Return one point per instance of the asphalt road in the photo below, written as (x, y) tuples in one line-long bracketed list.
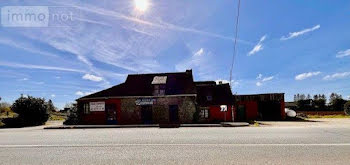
[(246, 145)]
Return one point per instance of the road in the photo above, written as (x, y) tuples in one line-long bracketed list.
[(300, 144)]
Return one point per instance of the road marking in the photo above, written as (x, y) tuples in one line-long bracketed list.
[(176, 144)]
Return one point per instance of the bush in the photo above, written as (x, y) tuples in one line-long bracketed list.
[(31, 111), (73, 117), (347, 108), (13, 122)]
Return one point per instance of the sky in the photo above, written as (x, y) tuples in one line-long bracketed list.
[(282, 47)]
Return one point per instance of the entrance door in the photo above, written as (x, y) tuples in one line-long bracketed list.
[(146, 114), (111, 113), (173, 113), (241, 116)]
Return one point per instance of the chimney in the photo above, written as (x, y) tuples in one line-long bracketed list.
[(189, 71)]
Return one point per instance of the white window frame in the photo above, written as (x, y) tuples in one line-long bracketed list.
[(204, 113)]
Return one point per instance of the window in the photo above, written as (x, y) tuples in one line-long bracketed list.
[(204, 113), (159, 90), (86, 107)]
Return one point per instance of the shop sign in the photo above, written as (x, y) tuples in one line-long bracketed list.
[(223, 108), (97, 106), (145, 101)]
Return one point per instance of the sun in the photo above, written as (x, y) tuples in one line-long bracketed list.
[(141, 5)]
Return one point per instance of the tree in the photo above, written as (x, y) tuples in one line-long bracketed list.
[(347, 108), (50, 106), (336, 102), (30, 110), (73, 117)]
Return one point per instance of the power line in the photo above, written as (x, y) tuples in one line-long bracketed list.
[(235, 42)]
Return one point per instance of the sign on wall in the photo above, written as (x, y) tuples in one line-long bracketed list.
[(145, 101), (97, 106), (223, 108)]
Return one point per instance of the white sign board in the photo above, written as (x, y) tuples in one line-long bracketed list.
[(145, 101), (223, 108), (97, 106)]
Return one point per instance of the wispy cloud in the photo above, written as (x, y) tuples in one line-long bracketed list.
[(337, 76), (199, 52), (267, 78), (42, 67), (258, 47), (262, 79), (303, 76), (201, 62), (25, 46), (80, 93), (258, 84), (259, 76), (344, 53), (298, 33), (160, 24), (53, 95), (92, 77)]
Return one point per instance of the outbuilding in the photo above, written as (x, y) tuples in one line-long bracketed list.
[(269, 106)]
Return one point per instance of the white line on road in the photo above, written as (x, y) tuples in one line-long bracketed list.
[(193, 144)]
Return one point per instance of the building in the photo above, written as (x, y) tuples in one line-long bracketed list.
[(143, 99), (215, 102), (260, 107), (175, 98)]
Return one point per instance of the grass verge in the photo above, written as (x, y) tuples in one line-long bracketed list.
[(327, 116)]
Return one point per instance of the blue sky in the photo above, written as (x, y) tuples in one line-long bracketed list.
[(283, 46)]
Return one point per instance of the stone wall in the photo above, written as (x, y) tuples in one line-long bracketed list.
[(131, 113)]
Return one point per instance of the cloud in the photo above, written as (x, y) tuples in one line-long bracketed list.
[(259, 76), (296, 34), (262, 79), (258, 47), (23, 79), (267, 78), (337, 76), (258, 84), (202, 62), (42, 67), (53, 95), (199, 52), (303, 76), (161, 25), (344, 53), (92, 78), (81, 93)]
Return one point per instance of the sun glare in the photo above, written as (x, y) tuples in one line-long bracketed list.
[(141, 5)]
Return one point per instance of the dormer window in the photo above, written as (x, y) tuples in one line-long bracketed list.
[(159, 85), (159, 90)]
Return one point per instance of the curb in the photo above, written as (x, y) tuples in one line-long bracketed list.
[(224, 124)]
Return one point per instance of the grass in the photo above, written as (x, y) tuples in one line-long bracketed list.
[(57, 116), (10, 115), (327, 116)]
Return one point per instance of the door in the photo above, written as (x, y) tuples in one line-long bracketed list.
[(111, 113), (173, 113), (241, 113), (146, 114)]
